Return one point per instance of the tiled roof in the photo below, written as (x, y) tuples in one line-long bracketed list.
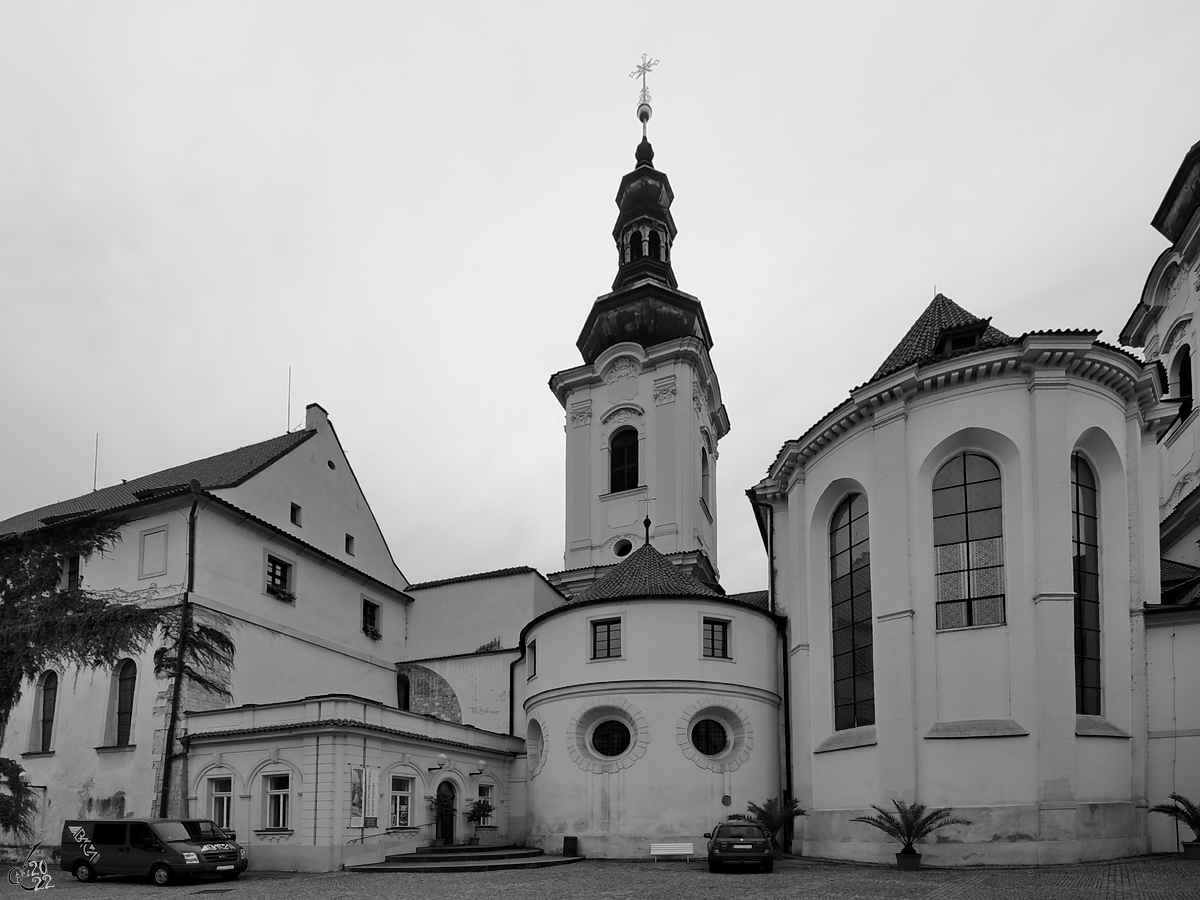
[(341, 723), (760, 599), (1180, 583), (645, 573), (496, 573), (920, 342), (220, 471)]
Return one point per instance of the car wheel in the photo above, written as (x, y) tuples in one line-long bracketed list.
[(161, 875), (714, 866), (84, 872), (230, 876), (768, 865)]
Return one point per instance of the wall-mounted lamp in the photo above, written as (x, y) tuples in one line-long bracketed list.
[(442, 760), (24, 778), (482, 767)]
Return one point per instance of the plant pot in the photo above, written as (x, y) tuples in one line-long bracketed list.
[(908, 862), (1191, 849), (473, 841)]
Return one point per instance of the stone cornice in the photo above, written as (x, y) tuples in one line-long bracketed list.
[(1051, 358)]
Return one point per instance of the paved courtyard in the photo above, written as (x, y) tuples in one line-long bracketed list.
[(1161, 878)]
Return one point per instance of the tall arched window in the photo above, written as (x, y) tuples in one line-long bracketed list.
[(655, 245), (623, 461), (705, 478), (1085, 538), (850, 593), (402, 692), (49, 699), (126, 682), (968, 542), (1183, 374), (635, 245)]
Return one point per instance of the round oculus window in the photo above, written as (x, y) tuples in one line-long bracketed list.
[(709, 737), (611, 738), (622, 547)]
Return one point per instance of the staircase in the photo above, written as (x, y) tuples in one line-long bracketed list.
[(466, 859)]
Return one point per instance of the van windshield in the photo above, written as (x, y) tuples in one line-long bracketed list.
[(204, 830), (172, 831)]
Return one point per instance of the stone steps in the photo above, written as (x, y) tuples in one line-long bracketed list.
[(466, 859)]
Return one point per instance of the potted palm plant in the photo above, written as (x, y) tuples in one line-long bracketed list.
[(909, 824), (772, 816), (1187, 813), (479, 812)]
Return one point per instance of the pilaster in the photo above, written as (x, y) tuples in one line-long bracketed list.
[(892, 605)]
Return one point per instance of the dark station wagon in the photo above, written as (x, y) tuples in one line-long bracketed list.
[(739, 842), (160, 849)]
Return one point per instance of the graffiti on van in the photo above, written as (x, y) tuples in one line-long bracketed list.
[(88, 848)]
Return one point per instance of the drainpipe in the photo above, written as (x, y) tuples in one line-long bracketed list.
[(185, 616), (786, 659)]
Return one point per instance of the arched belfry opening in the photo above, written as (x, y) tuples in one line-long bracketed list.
[(655, 246)]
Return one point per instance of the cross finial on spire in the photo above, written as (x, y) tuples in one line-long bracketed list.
[(643, 110)]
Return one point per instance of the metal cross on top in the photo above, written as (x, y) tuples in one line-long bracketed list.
[(642, 70)]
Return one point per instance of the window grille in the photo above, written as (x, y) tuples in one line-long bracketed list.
[(709, 737), (968, 543), (401, 802), (850, 595), (611, 738), (221, 791), (278, 793), (606, 638), (126, 682), (623, 461), (716, 638), (1086, 569), (49, 701)]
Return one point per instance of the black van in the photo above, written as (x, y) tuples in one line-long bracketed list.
[(162, 849)]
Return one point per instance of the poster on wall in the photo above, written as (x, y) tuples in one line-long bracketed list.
[(364, 797)]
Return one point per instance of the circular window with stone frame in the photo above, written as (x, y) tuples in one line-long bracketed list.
[(607, 735), (715, 734)]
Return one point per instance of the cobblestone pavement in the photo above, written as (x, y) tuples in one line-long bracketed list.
[(1160, 878)]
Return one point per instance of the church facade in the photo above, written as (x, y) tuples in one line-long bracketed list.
[(981, 593)]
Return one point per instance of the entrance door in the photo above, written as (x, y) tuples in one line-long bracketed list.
[(445, 822)]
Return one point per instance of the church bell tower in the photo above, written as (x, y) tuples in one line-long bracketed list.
[(643, 413)]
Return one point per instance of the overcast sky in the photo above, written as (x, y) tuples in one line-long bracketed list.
[(410, 204)]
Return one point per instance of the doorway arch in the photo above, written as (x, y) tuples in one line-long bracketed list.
[(445, 820)]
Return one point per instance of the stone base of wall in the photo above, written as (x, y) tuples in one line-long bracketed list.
[(998, 835)]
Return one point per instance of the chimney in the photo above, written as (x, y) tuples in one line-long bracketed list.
[(315, 417)]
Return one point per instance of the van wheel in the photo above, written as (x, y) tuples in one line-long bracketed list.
[(768, 866), (230, 876), (161, 875), (84, 872)]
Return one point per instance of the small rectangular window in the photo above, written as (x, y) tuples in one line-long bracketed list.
[(606, 638), (296, 514), (349, 545), (279, 578), (152, 553), (221, 801), (531, 655), (73, 565), (716, 638), (401, 802), (278, 794), (370, 618)]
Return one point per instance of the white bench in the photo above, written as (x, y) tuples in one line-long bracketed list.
[(657, 850)]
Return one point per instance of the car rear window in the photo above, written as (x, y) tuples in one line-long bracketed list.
[(739, 831), (172, 831)]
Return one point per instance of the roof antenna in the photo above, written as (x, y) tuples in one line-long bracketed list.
[(646, 525), (96, 464), (289, 410)]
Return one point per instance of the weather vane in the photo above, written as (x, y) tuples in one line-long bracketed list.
[(643, 110)]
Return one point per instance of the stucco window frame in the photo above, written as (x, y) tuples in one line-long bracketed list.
[(531, 660), (590, 631), (35, 729), (163, 529), (364, 601), (739, 734), (111, 726), (263, 777), (211, 795), (416, 792), (600, 710), (730, 632)]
